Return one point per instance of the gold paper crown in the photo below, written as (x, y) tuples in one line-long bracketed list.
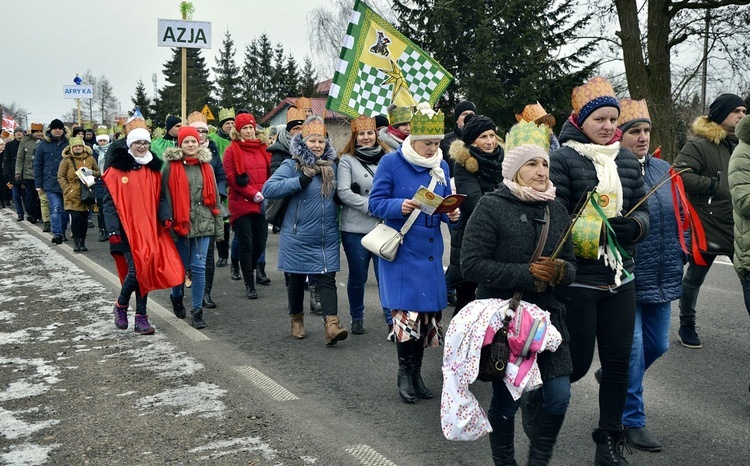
[(102, 130), (295, 114), (527, 132), (313, 126), (303, 103), (196, 116), (135, 123), (632, 110), (226, 114), (426, 123), (596, 87), (531, 112), (400, 115), (363, 123)]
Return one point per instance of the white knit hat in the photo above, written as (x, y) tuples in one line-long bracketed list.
[(138, 134)]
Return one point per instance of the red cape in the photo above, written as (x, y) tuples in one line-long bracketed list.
[(136, 197)]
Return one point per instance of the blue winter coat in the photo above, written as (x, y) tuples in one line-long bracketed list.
[(415, 280), (47, 159), (309, 236), (659, 258)]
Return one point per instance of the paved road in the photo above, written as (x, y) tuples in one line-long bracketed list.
[(74, 390)]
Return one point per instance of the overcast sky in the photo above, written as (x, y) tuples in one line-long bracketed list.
[(46, 42)]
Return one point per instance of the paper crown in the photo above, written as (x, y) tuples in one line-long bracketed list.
[(102, 130), (400, 115), (631, 110), (537, 114), (363, 123), (426, 123), (88, 126), (303, 103), (313, 126), (527, 132), (135, 123), (226, 114), (196, 116), (597, 87), (295, 114)]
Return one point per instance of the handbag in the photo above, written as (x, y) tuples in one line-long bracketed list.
[(276, 209), (383, 241), (493, 358), (87, 195)]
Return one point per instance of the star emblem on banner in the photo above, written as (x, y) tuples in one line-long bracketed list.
[(396, 78)]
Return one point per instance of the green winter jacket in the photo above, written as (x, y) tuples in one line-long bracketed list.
[(25, 157), (202, 220), (707, 156), (739, 187)]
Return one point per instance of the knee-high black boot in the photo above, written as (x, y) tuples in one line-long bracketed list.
[(416, 373), (543, 437), (531, 403), (502, 440), (405, 381)]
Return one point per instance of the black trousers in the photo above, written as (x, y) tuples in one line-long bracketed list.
[(252, 233), (210, 266), (326, 285), (608, 319), (79, 223), (129, 285), (33, 208), (223, 246)]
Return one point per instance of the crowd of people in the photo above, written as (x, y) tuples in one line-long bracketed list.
[(583, 223)]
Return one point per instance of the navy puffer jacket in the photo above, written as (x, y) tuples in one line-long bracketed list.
[(574, 175), (659, 258)]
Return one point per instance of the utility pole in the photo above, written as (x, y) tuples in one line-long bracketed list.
[(704, 76)]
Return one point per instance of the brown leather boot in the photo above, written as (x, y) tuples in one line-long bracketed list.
[(298, 325), (334, 332)]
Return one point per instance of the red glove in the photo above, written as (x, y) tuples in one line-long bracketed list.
[(167, 224), (115, 239)]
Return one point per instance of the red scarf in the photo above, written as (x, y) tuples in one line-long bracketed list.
[(399, 134), (179, 189)]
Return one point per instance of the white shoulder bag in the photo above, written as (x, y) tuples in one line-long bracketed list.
[(383, 241)]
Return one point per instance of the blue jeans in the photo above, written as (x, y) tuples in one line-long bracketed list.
[(58, 217), (555, 393), (650, 341), (193, 254), (18, 198), (234, 253), (359, 265)]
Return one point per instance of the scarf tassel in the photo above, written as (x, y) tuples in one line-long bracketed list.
[(688, 220), (611, 251)]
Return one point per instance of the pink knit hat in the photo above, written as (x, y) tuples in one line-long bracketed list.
[(519, 155)]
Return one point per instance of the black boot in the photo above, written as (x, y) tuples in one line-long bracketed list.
[(177, 307), (405, 381), (234, 269), (609, 446), (502, 440), (210, 269), (208, 303), (531, 403), (260, 274), (197, 318), (416, 372), (76, 244), (82, 244), (250, 288), (543, 437), (102, 235)]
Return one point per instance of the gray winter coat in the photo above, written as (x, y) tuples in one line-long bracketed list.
[(355, 218)]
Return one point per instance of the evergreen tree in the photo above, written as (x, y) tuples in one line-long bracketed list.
[(308, 79), (228, 85), (291, 78), (257, 73), (503, 54), (141, 100), (198, 86), (278, 83)]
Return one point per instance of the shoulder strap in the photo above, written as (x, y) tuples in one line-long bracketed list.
[(364, 165), (516, 299), (415, 213)]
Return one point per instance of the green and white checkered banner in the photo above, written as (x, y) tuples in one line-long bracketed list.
[(378, 65)]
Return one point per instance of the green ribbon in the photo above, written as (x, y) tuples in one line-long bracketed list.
[(611, 237)]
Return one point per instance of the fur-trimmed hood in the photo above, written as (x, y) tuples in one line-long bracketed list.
[(707, 129), (68, 152), (172, 154), (742, 131), (461, 155), (123, 161), (48, 134), (299, 149)]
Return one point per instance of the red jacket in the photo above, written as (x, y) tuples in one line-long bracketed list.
[(254, 160)]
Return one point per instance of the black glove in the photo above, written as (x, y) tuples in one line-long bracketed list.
[(243, 180), (626, 229), (355, 188), (304, 181)]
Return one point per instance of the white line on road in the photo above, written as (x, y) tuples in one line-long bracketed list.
[(368, 456), (266, 383)]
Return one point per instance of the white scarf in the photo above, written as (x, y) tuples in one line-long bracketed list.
[(433, 163), (142, 160), (603, 158)]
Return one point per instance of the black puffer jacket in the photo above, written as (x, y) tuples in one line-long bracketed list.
[(500, 239), (574, 175)]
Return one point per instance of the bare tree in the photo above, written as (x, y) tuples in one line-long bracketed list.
[(15, 111)]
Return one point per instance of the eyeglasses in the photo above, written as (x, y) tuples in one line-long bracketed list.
[(203, 131), (142, 143)]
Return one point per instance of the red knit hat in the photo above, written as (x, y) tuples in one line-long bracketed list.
[(244, 119), (186, 131)]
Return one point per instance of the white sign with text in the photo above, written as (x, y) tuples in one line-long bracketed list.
[(78, 92), (181, 33)]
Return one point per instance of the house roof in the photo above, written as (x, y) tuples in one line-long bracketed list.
[(318, 108)]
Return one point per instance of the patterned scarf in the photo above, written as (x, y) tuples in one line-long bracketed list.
[(179, 189), (324, 168), (529, 194)]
